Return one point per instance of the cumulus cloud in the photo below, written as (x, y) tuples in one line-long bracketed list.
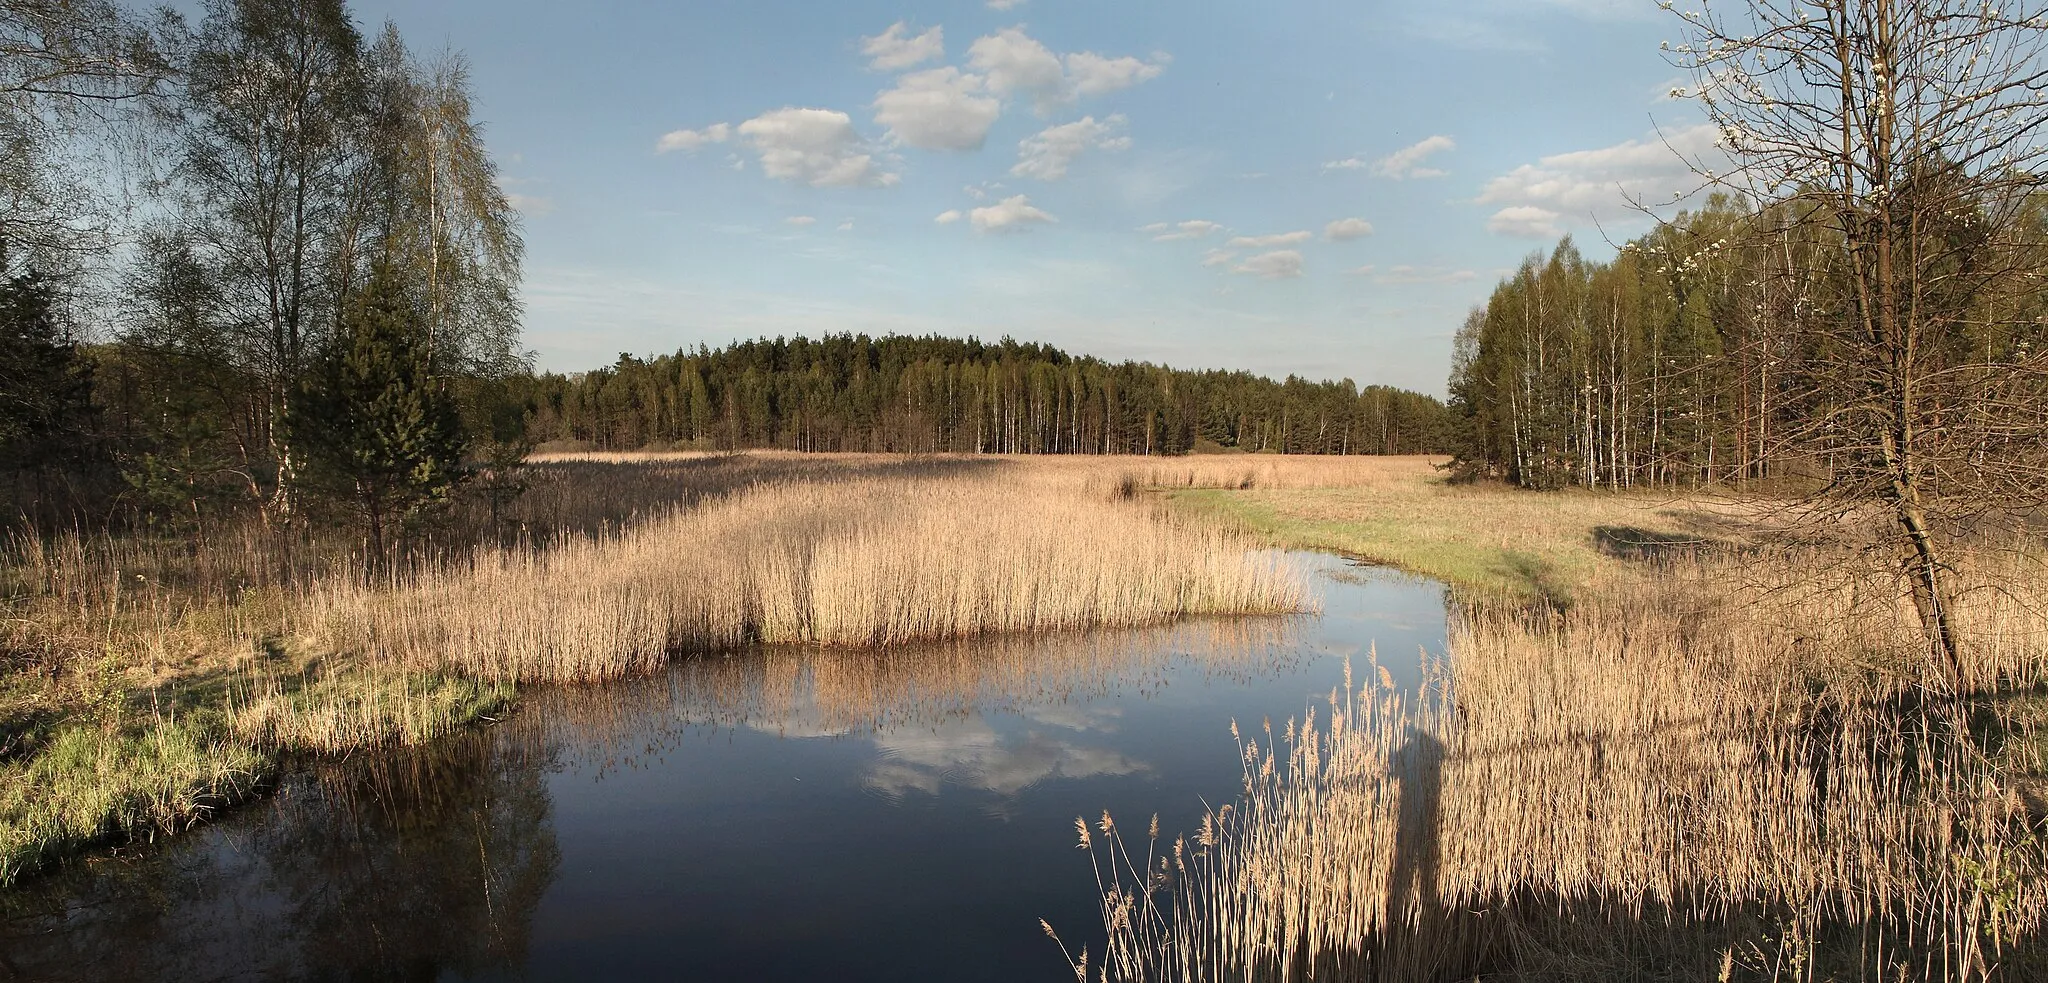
[(801, 220), (1407, 162), (1047, 155), (1218, 257), (1280, 264), (938, 109), (689, 141), (1599, 185), (897, 48), (1019, 66), (1347, 164), (1004, 4), (1346, 229), (846, 226), (818, 147), (1525, 222), (948, 217), (1012, 214), (1269, 241), (1193, 228), (1093, 75)]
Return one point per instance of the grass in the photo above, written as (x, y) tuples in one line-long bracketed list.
[(147, 682), (1485, 538), (1714, 756)]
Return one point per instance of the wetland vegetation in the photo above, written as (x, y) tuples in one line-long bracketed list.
[(1739, 668)]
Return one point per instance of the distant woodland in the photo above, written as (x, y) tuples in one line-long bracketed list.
[(904, 394)]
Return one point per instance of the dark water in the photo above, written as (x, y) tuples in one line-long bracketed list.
[(785, 815)]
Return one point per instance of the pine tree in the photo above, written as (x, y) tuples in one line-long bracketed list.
[(383, 437)]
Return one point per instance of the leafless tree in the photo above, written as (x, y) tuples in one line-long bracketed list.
[(1908, 136)]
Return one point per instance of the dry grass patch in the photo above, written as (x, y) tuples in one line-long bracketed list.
[(864, 562), (1720, 743)]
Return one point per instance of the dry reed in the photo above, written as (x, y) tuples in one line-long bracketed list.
[(1692, 749), (865, 562)]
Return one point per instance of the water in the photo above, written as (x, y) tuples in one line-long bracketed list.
[(784, 815)]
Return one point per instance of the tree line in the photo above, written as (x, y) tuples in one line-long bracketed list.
[(845, 392), (1861, 306), (257, 263)]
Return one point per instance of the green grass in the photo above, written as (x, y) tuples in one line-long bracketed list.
[(1488, 540), (133, 768)]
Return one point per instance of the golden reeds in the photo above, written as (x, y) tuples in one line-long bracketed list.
[(866, 562), (1725, 740)]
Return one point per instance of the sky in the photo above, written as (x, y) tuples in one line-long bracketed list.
[(1318, 189)]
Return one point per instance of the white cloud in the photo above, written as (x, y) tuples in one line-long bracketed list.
[(1217, 257), (1018, 66), (1423, 274), (1347, 164), (689, 141), (1012, 214), (1046, 155), (1589, 186), (948, 217), (1525, 222), (1269, 241), (1280, 264), (1407, 162), (818, 147), (1346, 229), (801, 220), (531, 206), (896, 48), (1193, 228), (1093, 75), (1004, 4), (939, 109)]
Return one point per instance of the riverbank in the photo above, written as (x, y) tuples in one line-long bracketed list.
[(1713, 747), (150, 682)]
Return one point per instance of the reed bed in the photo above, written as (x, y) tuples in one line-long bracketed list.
[(867, 562), (1750, 761), (148, 679)]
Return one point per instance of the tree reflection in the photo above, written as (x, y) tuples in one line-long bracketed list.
[(414, 865)]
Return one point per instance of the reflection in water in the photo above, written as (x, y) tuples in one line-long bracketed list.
[(972, 753), (788, 814), (404, 867)]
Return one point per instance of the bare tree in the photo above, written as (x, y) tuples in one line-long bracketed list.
[(1907, 135), (68, 69), (274, 109)]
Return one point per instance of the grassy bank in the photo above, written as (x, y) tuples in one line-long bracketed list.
[(1485, 538), (1724, 756), (149, 682)]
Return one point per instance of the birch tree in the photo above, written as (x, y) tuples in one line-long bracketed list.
[(1910, 133)]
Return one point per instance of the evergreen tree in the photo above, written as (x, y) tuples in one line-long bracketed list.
[(46, 412), (382, 435)]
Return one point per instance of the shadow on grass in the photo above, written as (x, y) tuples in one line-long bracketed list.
[(1651, 546)]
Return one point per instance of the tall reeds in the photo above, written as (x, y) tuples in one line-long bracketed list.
[(1724, 743), (866, 562)]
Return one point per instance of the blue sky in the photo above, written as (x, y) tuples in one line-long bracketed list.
[(1354, 175)]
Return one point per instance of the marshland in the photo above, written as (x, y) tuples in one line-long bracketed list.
[(1677, 612)]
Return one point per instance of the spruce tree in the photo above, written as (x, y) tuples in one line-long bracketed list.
[(382, 435)]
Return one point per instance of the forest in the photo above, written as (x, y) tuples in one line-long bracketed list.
[(296, 301), (905, 394)]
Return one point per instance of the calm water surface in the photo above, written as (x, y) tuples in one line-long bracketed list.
[(782, 815)]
